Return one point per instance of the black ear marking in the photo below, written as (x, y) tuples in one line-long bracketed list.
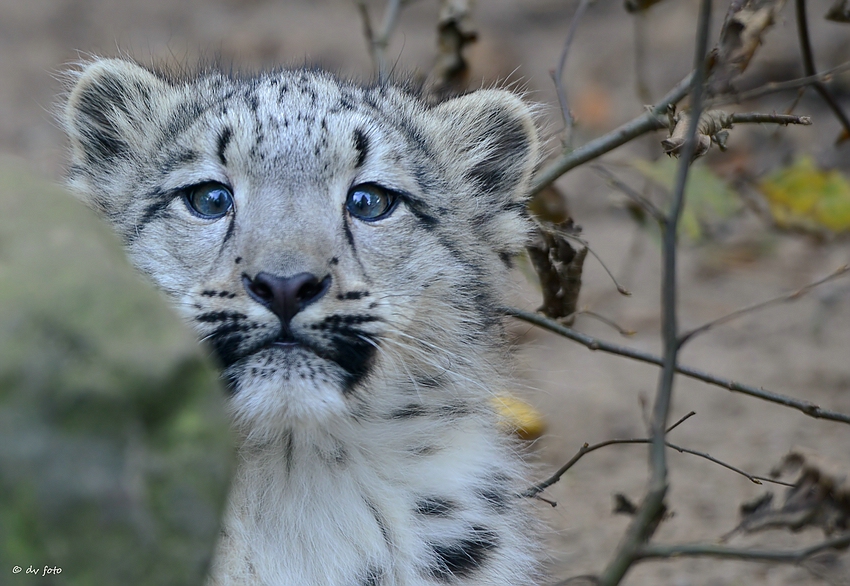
[(110, 103), (493, 135), (501, 169)]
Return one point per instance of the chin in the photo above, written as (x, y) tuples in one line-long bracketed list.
[(282, 388)]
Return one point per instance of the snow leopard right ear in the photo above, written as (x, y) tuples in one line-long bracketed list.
[(110, 110), (491, 139)]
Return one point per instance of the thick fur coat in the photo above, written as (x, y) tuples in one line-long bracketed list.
[(343, 250)]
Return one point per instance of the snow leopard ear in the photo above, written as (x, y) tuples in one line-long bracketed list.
[(492, 141), (110, 110)]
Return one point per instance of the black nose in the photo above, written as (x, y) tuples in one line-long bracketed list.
[(286, 296)]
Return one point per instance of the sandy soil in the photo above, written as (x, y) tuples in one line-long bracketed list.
[(799, 349)]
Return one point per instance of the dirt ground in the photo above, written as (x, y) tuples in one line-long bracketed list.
[(801, 349)]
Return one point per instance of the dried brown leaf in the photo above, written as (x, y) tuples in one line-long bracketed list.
[(451, 69), (819, 498), (839, 11), (740, 37), (559, 267), (633, 6)]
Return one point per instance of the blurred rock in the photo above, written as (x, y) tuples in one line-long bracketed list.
[(115, 451)]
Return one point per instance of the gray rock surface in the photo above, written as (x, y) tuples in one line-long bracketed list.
[(115, 452)]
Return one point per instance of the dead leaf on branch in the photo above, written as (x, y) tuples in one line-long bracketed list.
[(714, 126), (559, 267), (633, 6), (819, 498), (741, 35), (451, 70), (839, 11)]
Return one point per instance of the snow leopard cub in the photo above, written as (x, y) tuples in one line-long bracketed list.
[(343, 250)]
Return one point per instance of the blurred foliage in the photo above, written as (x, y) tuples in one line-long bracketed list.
[(805, 197), (708, 200), (115, 450)]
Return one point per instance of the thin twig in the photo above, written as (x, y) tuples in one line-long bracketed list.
[(607, 321), (586, 449), (757, 118), (778, 86), (809, 65), (646, 122), (652, 507), (557, 75), (761, 305), (681, 421), (806, 407), (378, 43), (620, 289), (632, 194), (722, 551)]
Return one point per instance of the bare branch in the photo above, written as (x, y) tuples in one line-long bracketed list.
[(779, 86), (607, 321), (713, 125), (806, 407), (378, 43), (756, 118), (681, 421), (586, 449), (809, 66), (557, 75), (652, 507), (761, 305), (722, 551), (644, 123)]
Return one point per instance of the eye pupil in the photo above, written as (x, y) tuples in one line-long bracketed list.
[(209, 200), (369, 202)]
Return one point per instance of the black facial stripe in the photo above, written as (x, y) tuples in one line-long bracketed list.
[(355, 356), (463, 557), (361, 144), (153, 211), (231, 226), (223, 141), (435, 507), (215, 316), (352, 295), (337, 322), (226, 343), (418, 209)]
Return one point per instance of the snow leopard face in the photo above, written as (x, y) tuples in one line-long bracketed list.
[(333, 244)]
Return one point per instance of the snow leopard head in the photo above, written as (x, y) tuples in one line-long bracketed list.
[(334, 244)]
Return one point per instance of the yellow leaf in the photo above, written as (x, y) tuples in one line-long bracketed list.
[(519, 417), (805, 197)]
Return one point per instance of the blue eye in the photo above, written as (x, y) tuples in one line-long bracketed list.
[(209, 200), (370, 202)]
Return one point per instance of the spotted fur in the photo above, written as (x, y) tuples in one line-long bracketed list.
[(370, 455)]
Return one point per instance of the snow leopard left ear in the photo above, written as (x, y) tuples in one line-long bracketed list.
[(110, 110), (492, 141)]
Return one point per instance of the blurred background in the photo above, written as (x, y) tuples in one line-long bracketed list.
[(736, 250)]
